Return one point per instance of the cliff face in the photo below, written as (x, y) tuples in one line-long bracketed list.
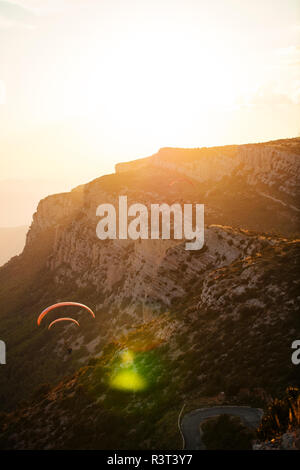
[(54, 211), (272, 165), (130, 275), (135, 273)]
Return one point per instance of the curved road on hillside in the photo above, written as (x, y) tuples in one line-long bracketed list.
[(190, 424)]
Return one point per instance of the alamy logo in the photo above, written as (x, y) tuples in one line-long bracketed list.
[(296, 354), (2, 352), (181, 225)]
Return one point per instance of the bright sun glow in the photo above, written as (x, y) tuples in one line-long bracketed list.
[(158, 78), (86, 84)]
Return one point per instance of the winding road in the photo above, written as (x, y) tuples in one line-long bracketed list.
[(190, 424)]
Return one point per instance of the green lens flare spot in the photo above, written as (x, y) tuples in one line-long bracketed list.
[(128, 380)]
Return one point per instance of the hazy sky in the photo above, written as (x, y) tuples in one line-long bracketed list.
[(87, 83)]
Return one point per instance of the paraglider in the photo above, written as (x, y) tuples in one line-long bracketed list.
[(63, 319), (62, 304)]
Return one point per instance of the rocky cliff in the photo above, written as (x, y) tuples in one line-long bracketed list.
[(221, 318)]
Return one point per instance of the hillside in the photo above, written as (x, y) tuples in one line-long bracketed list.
[(178, 326)]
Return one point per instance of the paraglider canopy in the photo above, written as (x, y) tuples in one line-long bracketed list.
[(63, 304), (63, 319)]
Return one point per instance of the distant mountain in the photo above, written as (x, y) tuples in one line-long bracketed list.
[(172, 326), (12, 242)]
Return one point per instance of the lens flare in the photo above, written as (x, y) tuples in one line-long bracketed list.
[(125, 375), (128, 380), (135, 371)]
